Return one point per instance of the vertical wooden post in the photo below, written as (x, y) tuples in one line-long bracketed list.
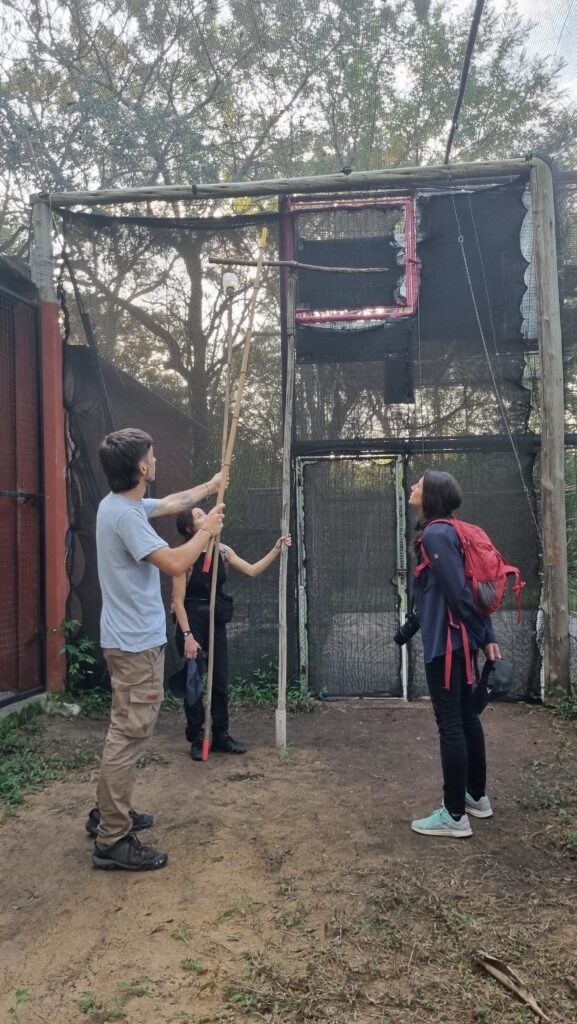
[(54, 456), (555, 576), (285, 518)]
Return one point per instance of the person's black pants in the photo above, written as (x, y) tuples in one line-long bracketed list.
[(198, 625), (460, 732)]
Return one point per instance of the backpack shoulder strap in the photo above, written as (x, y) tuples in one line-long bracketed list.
[(426, 563)]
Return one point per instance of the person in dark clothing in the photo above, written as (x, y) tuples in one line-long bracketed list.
[(442, 601), (190, 600)]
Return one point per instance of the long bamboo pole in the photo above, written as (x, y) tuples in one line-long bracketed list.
[(214, 578), (285, 518), (355, 181), (225, 470), (555, 575)]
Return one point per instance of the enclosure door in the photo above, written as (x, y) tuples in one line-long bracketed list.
[(351, 574)]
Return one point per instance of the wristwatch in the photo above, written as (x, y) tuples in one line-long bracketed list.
[(187, 632)]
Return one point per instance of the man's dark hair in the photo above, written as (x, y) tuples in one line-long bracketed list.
[(441, 495), (120, 454)]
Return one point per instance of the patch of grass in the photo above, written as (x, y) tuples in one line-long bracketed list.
[(171, 703), (138, 988), (567, 708), (149, 758), (97, 703), (24, 766), (100, 1012), (295, 918), (88, 1005), (260, 690), (193, 965), (571, 842), (21, 996), (92, 703)]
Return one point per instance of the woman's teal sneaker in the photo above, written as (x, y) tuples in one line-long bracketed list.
[(440, 823)]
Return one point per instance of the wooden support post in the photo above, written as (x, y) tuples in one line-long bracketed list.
[(55, 509), (285, 519), (555, 576)]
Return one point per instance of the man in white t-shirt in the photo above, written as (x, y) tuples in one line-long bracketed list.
[(133, 633)]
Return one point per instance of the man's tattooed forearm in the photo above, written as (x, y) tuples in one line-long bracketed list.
[(185, 499)]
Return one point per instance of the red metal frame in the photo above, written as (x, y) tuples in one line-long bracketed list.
[(412, 263)]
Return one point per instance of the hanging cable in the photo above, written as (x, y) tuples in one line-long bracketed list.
[(464, 75)]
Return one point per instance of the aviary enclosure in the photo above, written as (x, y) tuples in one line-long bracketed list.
[(409, 318)]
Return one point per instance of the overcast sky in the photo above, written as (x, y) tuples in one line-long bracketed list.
[(554, 34)]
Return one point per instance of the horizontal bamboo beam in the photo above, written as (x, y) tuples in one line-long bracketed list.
[(356, 181)]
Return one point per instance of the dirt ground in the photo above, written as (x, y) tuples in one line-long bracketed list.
[(295, 890)]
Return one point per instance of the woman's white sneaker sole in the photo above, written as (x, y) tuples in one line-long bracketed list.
[(479, 814)]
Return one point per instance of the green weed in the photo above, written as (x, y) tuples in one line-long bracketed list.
[(21, 996), (193, 965), (88, 1005), (260, 690), (24, 766)]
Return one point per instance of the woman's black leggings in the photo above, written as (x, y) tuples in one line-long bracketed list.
[(198, 624), (460, 732)]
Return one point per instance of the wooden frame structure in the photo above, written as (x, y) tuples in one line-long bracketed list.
[(555, 581)]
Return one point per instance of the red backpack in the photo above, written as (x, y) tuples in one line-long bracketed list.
[(486, 573)]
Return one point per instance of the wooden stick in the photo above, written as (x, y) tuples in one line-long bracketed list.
[(295, 265), (285, 518), (214, 578), (236, 412)]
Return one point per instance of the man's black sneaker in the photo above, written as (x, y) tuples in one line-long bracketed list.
[(128, 854), (224, 744), (139, 821)]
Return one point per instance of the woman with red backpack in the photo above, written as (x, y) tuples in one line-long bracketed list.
[(451, 628)]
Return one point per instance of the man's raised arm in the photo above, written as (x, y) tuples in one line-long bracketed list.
[(175, 503), (175, 561)]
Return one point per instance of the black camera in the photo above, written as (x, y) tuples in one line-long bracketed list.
[(410, 626)]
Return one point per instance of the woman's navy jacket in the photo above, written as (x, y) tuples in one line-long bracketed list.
[(444, 584)]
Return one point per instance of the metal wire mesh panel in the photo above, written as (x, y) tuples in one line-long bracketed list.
[(20, 502), (350, 545)]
